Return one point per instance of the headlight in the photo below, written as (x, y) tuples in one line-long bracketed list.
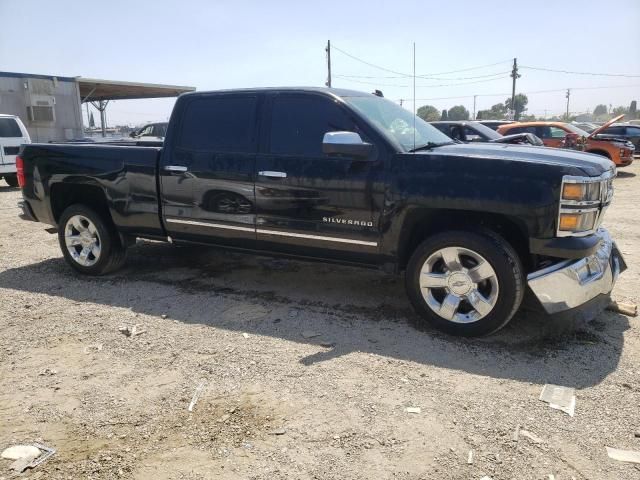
[(583, 201)]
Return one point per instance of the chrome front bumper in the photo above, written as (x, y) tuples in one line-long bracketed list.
[(572, 283)]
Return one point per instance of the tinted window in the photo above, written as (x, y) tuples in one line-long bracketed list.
[(557, 132), (9, 128), (298, 124), (633, 131), (219, 123), (614, 131), (521, 130)]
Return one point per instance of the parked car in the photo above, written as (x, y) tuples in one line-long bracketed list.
[(472, 131), (557, 134), (347, 177), (12, 134), (151, 132), (622, 131), (494, 124), (586, 126)]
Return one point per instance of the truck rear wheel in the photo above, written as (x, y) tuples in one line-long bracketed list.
[(12, 180), (89, 243), (466, 283)]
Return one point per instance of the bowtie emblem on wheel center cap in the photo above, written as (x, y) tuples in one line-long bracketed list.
[(459, 283)]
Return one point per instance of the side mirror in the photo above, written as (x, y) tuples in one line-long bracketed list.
[(346, 143), (133, 134)]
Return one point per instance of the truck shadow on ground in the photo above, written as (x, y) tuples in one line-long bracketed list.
[(351, 310)]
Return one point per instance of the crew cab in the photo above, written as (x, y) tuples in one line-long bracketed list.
[(12, 134), (349, 177), (561, 135)]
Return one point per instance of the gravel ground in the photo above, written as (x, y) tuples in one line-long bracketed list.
[(308, 370)]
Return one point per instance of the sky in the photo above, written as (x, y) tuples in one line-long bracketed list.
[(231, 44)]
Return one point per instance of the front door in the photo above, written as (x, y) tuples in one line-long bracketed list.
[(309, 202), (206, 171), (552, 136)]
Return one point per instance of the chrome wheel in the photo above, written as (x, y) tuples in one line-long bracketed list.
[(82, 240), (459, 285)]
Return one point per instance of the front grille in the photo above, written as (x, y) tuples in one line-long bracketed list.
[(11, 150)]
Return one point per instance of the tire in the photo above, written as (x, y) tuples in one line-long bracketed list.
[(458, 302), (81, 230), (12, 180)]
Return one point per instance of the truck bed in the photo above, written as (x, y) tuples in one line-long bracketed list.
[(125, 175)]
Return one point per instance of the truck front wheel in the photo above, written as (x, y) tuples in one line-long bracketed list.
[(89, 243), (466, 283)]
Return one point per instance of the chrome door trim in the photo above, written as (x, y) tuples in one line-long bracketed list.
[(272, 174), (317, 237), (211, 225)]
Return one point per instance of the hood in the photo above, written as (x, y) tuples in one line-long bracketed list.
[(605, 126), (590, 164)]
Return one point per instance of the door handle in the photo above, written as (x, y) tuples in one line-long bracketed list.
[(268, 173), (175, 168)]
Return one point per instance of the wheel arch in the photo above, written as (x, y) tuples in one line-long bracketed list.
[(599, 151), (422, 223), (63, 195)]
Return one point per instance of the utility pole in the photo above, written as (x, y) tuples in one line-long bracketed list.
[(401, 100), (515, 75), (474, 107), (568, 95), (328, 50)]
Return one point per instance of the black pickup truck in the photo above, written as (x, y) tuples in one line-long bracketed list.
[(347, 177)]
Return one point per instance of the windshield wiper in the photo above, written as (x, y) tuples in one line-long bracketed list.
[(429, 146)]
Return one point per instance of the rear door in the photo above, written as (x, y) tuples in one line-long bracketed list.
[(207, 168), (309, 202)]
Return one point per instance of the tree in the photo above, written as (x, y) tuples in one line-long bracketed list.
[(444, 115), (429, 113), (521, 102), (458, 113), (496, 112), (92, 122), (620, 111), (600, 110), (633, 110)]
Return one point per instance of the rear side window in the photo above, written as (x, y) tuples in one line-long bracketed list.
[(633, 131), (9, 128), (221, 123), (515, 130), (298, 124), (556, 132), (614, 131)]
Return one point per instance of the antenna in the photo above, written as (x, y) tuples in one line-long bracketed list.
[(414, 96)]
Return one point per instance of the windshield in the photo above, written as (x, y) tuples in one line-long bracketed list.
[(396, 123), (574, 129)]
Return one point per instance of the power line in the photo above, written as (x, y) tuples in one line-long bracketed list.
[(428, 78), (406, 75), (349, 79), (582, 73)]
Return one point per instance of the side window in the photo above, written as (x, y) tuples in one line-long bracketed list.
[(219, 123), (9, 128), (456, 132), (614, 131), (472, 135), (633, 131), (557, 132), (161, 130), (515, 130), (147, 131), (298, 124)]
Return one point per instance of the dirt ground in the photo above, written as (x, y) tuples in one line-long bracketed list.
[(307, 369)]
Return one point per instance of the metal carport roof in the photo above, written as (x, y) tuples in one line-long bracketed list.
[(97, 90)]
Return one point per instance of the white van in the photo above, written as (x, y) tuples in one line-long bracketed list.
[(12, 134)]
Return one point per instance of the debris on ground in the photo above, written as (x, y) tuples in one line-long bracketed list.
[(531, 436), (48, 372), (486, 478), (245, 335), (516, 433), (560, 398), (196, 396), (470, 458), (27, 456), (628, 309), (94, 347), (278, 431), (163, 316), (630, 456), (413, 410), (132, 331), (310, 334), (20, 451)]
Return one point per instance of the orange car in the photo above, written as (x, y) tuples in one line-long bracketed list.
[(560, 134)]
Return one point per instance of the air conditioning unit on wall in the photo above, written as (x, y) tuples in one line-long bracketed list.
[(41, 108)]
